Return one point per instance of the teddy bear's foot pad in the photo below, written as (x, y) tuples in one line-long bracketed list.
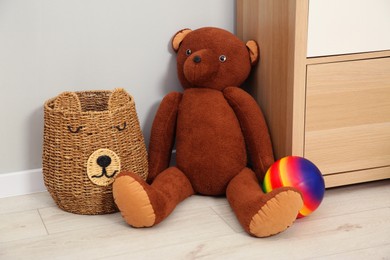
[(277, 214), (133, 202)]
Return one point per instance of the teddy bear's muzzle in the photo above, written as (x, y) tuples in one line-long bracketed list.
[(201, 67)]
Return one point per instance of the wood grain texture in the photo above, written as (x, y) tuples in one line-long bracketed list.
[(348, 57), (352, 221), (278, 81), (348, 115), (337, 114), (353, 177)]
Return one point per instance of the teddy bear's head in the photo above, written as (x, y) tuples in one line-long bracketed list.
[(213, 58)]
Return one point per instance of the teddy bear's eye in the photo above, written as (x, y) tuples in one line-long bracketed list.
[(222, 58), (74, 130), (188, 52)]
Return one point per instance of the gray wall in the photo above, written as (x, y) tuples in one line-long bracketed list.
[(51, 46)]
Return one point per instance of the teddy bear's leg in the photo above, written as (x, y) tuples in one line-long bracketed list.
[(260, 214), (144, 205)]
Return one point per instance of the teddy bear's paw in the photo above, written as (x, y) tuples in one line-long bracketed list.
[(277, 214), (133, 201)]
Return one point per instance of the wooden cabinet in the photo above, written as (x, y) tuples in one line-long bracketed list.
[(330, 105)]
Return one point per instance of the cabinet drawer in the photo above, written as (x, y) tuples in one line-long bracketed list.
[(347, 122), (348, 26)]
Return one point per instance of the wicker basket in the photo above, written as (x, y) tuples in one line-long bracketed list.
[(89, 137)]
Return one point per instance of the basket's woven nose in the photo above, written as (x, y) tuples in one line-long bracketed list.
[(103, 161)]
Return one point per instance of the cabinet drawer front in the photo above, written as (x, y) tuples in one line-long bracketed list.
[(348, 26), (347, 123)]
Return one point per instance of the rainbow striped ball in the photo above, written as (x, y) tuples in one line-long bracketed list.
[(298, 172)]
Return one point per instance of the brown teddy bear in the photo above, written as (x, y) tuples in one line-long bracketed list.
[(218, 127)]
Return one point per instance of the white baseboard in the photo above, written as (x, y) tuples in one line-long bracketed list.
[(30, 181), (21, 183)]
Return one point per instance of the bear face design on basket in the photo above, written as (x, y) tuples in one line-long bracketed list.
[(89, 137)]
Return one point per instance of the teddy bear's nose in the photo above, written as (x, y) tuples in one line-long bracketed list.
[(197, 59)]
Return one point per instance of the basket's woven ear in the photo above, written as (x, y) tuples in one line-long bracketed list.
[(67, 101), (119, 98)]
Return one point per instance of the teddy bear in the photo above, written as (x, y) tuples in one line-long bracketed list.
[(218, 129)]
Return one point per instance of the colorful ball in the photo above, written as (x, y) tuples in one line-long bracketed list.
[(300, 173)]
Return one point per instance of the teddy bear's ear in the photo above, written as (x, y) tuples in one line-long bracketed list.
[(178, 38), (118, 98), (68, 101), (254, 52)]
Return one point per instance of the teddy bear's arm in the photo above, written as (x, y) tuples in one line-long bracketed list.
[(254, 129), (162, 136)]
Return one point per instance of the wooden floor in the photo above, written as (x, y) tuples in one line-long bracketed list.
[(352, 223)]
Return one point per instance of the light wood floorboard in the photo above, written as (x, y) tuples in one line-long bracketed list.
[(353, 222)]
